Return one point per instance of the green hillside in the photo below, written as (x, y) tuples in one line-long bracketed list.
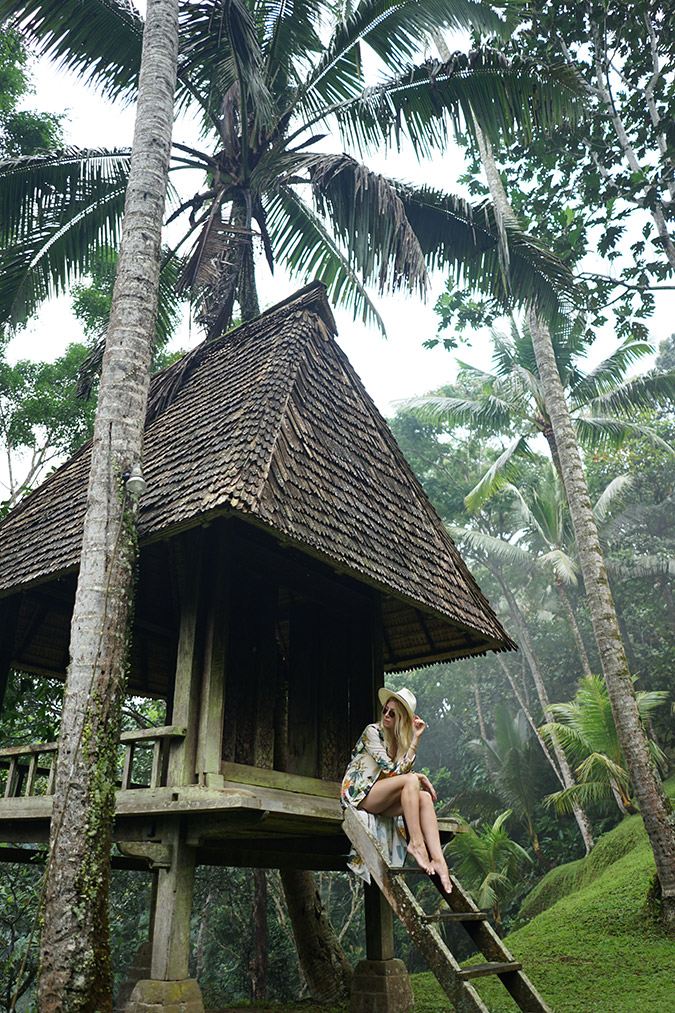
[(591, 946)]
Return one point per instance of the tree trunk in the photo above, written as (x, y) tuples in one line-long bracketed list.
[(574, 626), (532, 723), (260, 961), (327, 971), (655, 807), (75, 961)]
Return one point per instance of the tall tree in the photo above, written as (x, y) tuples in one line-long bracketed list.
[(269, 82), (655, 807), (75, 970)]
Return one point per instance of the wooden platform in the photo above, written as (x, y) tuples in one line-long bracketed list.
[(286, 820)]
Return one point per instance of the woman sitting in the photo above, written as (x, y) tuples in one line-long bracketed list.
[(380, 780)]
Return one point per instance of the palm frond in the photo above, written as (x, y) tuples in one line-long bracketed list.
[(510, 99), (100, 40), (392, 29), (564, 568), (56, 212), (608, 373), (369, 219), (485, 415), (466, 239), (615, 489), (487, 546), (597, 433), (639, 393), (302, 243), (504, 470)]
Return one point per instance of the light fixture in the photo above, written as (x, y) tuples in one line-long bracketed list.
[(136, 484)]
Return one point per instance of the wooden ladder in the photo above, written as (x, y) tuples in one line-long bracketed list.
[(421, 927)]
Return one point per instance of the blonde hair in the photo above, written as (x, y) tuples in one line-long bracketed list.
[(397, 740)]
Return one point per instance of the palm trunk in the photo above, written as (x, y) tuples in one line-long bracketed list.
[(655, 807), (75, 961), (528, 648)]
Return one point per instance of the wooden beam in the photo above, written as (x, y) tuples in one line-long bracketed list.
[(171, 926), (303, 689), (212, 702), (182, 752), (9, 613)]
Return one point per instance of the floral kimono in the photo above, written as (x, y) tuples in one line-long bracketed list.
[(370, 760)]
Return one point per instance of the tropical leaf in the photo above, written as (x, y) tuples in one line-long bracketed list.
[(100, 40), (504, 470), (618, 487), (308, 250), (485, 545), (597, 433), (369, 220), (509, 99), (57, 212), (485, 415)]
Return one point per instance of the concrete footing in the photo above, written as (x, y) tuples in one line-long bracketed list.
[(381, 986), (151, 996)]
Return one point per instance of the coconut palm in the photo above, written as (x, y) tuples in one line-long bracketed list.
[(75, 965), (509, 400), (586, 730), (488, 862), (268, 81)]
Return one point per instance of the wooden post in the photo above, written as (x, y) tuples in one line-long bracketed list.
[(9, 612), (185, 710), (379, 924), (212, 702), (303, 690), (171, 929)]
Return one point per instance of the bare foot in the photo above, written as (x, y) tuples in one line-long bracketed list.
[(421, 856), (441, 870)]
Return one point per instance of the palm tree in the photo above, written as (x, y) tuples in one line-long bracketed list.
[(489, 862), (268, 82), (75, 969), (586, 729), (548, 535), (655, 807), (510, 399)]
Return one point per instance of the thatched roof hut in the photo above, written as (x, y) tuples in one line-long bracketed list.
[(271, 427)]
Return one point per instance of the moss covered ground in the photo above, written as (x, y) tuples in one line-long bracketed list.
[(587, 939)]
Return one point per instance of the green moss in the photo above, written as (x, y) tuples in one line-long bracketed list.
[(592, 946)]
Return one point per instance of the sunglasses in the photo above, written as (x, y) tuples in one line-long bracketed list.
[(388, 712)]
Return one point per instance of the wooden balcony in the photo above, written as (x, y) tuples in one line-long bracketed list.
[(241, 816)]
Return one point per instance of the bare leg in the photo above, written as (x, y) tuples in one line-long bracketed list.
[(429, 827), (400, 796)]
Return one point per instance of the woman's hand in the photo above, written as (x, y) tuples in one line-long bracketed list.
[(426, 785), (418, 728)]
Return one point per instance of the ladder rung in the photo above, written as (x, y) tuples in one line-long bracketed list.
[(481, 970), (408, 870), (455, 916)]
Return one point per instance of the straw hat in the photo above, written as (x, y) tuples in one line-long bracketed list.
[(404, 696)]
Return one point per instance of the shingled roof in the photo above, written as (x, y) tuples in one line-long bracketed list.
[(270, 423)]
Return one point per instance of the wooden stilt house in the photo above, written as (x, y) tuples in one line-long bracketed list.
[(288, 560)]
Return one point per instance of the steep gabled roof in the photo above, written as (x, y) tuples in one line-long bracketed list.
[(270, 423)]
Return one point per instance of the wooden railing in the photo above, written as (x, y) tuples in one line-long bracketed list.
[(33, 766)]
